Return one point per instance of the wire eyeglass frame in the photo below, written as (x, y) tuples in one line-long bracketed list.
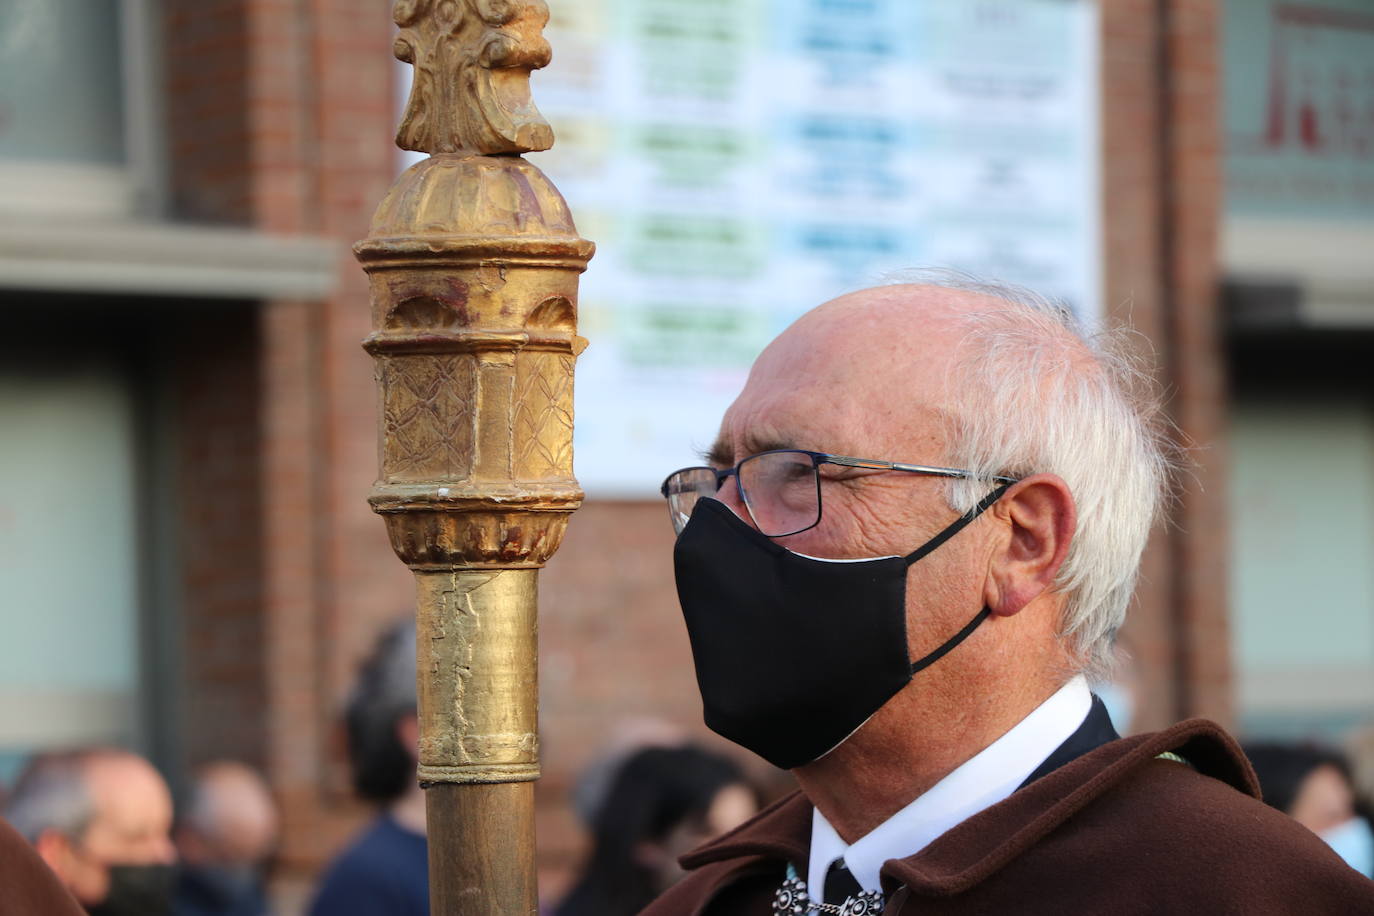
[(676, 483)]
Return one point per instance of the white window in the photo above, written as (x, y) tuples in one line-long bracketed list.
[(78, 136), (69, 556)]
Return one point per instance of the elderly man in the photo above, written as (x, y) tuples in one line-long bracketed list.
[(100, 820), (919, 531), (225, 834)]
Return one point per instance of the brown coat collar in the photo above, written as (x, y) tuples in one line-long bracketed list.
[(977, 848)]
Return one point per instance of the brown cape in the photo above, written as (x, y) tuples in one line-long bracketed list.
[(27, 886), (1119, 830)]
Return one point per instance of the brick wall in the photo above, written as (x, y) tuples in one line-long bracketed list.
[(280, 118), (1192, 192), (207, 109), (219, 494), (1160, 198)]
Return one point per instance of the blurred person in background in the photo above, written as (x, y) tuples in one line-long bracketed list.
[(101, 820), (385, 872), (1314, 787), (1359, 751), (662, 802), (223, 837), (628, 737)]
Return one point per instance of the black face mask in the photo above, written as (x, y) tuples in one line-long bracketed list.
[(794, 653), (137, 890)]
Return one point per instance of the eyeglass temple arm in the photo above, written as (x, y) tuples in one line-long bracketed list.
[(898, 466)]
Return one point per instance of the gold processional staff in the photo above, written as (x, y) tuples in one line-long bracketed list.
[(473, 262)]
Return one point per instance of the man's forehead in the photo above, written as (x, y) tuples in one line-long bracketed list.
[(900, 426), (901, 309), (868, 370), (885, 334), (123, 786)]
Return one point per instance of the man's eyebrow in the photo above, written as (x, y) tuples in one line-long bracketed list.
[(769, 444), (722, 454)]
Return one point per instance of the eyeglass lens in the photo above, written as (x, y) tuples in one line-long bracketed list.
[(780, 490), (684, 489)]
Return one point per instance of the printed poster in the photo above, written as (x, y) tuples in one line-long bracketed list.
[(740, 161)]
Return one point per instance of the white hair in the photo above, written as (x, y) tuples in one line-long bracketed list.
[(1036, 391), (52, 794)]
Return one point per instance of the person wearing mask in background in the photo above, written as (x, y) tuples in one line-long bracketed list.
[(227, 830), (913, 541), (662, 801), (385, 872), (1313, 786), (100, 819)]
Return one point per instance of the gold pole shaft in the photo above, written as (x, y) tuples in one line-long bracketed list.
[(476, 646), (473, 262), (468, 875)]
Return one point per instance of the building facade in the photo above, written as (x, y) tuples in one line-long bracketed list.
[(190, 423)]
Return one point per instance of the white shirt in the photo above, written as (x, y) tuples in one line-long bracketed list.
[(980, 782)]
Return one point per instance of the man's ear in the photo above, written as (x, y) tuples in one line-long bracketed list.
[(1040, 519), (55, 850)]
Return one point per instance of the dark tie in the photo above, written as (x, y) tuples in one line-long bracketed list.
[(839, 883)]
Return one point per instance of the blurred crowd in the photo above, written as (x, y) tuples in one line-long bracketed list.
[(102, 820), (105, 823)]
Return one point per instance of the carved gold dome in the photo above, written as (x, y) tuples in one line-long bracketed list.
[(455, 195)]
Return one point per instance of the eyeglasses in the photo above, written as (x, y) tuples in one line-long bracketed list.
[(781, 489)]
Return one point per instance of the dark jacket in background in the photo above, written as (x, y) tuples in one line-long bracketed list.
[(209, 891), (1118, 830), (384, 873)]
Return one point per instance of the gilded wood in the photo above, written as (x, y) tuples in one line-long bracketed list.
[(473, 264), (543, 416), (472, 60), (426, 422), (490, 878), (476, 634), (473, 261)]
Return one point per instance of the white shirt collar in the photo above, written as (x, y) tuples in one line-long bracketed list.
[(980, 782)]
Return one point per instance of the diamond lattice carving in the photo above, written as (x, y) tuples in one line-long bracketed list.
[(427, 418), (544, 415)]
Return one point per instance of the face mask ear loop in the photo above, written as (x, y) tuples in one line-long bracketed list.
[(958, 525), (930, 545), (953, 641)]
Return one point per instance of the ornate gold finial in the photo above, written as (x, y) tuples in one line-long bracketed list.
[(472, 61)]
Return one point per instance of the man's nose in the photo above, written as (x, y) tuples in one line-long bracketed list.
[(729, 493)]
